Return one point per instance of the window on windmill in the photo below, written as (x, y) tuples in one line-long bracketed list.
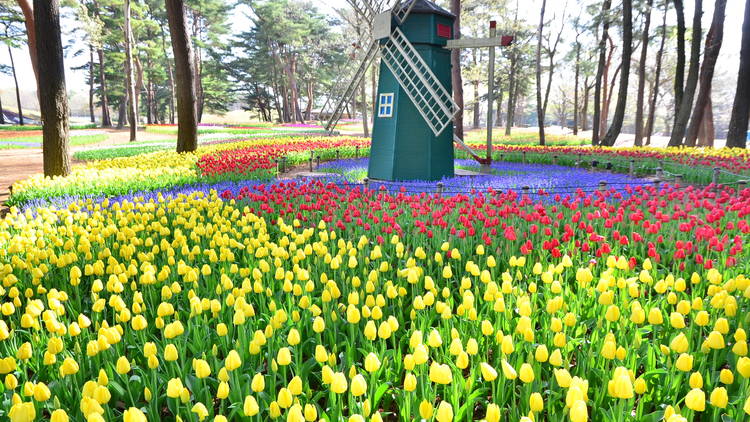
[(385, 107)]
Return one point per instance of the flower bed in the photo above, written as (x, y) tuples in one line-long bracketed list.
[(324, 299), (186, 285)]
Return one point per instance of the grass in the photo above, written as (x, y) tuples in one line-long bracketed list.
[(519, 137), (36, 141), (106, 153), (254, 129), (203, 130), (19, 128), (477, 168)]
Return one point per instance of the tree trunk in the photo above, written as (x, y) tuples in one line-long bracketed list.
[(737, 133), (170, 76), (499, 108), (642, 76), (130, 76), (608, 88), (187, 128), (91, 83), (622, 95), (714, 39), (198, 66), (585, 107), (657, 80), (575, 89), (683, 112), (15, 81), (475, 89), (706, 133), (2, 113), (122, 111), (53, 99), (138, 88), (679, 72), (106, 119), (511, 94), (475, 106), (539, 107), (311, 98), (600, 73), (457, 80), (29, 22), (365, 119)]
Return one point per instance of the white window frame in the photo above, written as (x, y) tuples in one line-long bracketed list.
[(385, 105)]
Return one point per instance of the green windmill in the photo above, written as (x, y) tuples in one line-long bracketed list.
[(412, 136)]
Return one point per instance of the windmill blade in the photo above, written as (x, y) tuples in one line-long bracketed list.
[(401, 11), (364, 8), (428, 95), (351, 88)]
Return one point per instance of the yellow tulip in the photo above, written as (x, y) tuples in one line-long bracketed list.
[(579, 412), (134, 415), (420, 355), (679, 344), (41, 392), (526, 373), (319, 325), (293, 338), (622, 387), (488, 372), (11, 382), (310, 412), (174, 388), (233, 360), (440, 373), (284, 398), (444, 412), (640, 386), (170, 353), (410, 382), (719, 397), (123, 365), (743, 366), (200, 410), (201, 368), (24, 352), (715, 340), (59, 415), (425, 409), (250, 406), (541, 354), (536, 402), (338, 383), (696, 400), (372, 363), (22, 412), (68, 367), (555, 358), (696, 380), (508, 371), (684, 362), (359, 385), (284, 356), (726, 376), (493, 413)]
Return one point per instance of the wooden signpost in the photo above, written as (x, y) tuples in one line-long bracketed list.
[(491, 42)]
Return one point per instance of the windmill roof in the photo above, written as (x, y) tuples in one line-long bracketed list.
[(426, 6)]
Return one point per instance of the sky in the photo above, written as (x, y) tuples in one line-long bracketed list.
[(77, 85)]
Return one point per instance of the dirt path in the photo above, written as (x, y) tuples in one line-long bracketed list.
[(18, 164)]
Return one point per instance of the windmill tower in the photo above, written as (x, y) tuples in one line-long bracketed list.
[(412, 137)]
